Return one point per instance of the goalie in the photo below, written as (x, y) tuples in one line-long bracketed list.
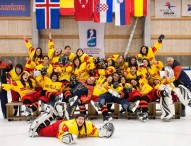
[(67, 131)]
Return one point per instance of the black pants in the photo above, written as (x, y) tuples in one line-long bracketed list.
[(4, 100)]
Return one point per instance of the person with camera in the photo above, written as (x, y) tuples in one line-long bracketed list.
[(46, 66)]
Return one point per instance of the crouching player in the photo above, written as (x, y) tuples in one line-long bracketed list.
[(67, 131)]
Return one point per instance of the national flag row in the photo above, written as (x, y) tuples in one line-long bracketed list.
[(101, 11)]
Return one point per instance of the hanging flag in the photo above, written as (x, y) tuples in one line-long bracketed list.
[(67, 7), (47, 14), (83, 10), (138, 8), (122, 12), (103, 11)]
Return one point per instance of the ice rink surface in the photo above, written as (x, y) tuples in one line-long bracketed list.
[(127, 132)]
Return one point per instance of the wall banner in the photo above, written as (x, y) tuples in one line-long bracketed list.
[(14, 7), (167, 8), (186, 7), (92, 38)]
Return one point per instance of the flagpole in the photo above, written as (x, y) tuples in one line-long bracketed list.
[(131, 37)]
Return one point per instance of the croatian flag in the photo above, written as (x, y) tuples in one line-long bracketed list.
[(103, 11), (47, 14), (122, 12)]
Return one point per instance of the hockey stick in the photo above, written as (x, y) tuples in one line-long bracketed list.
[(131, 37), (93, 104), (72, 108)]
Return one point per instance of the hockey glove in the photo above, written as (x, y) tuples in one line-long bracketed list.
[(68, 138), (161, 37), (43, 71)]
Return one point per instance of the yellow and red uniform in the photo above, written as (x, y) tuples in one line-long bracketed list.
[(71, 56), (30, 65), (101, 87), (154, 71), (86, 58), (51, 50), (108, 71), (47, 84), (151, 52), (82, 73), (49, 69), (128, 75), (14, 77), (65, 72), (18, 86), (59, 128)]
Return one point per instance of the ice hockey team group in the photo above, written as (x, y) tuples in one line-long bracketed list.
[(57, 83)]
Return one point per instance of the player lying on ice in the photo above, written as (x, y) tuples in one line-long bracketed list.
[(67, 131)]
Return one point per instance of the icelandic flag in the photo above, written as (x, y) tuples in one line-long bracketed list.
[(103, 11), (47, 14), (122, 12)]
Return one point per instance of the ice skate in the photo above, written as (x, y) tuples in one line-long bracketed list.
[(133, 106), (106, 119)]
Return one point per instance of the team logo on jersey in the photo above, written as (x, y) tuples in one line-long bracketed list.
[(91, 38)]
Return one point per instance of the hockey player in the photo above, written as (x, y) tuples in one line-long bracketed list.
[(130, 73), (83, 56), (81, 92), (149, 94), (130, 94), (15, 75), (67, 52), (81, 70), (53, 54), (115, 95), (35, 56), (45, 65), (149, 53), (152, 70), (26, 89), (166, 103), (67, 131)]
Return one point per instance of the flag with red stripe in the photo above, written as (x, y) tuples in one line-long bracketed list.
[(138, 8), (122, 12), (47, 14)]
